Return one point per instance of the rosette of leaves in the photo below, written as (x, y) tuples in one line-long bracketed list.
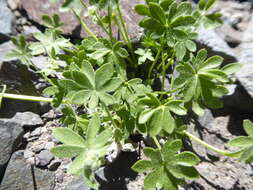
[(245, 143), (86, 86), (22, 51), (202, 80), (157, 115), (88, 152), (167, 168)]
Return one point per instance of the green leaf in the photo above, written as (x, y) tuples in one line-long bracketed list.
[(142, 10), (197, 108), (176, 107), (66, 151), (209, 4), (186, 159), (151, 179), (231, 68), (93, 128), (152, 25), (169, 149), (103, 75), (191, 46), (81, 97), (77, 165), (68, 137), (184, 172), (248, 127), (142, 166), (241, 141), (81, 79), (69, 85), (180, 50), (157, 12), (99, 53), (183, 21), (202, 4), (211, 63), (247, 155), (146, 115)]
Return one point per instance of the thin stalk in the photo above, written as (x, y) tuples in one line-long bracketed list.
[(109, 114), (27, 98), (109, 10), (85, 27), (210, 147), (157, 143), (120, 30), (129, 44), (154, 62)]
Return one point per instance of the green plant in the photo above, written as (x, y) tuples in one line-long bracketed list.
[(108, 87)]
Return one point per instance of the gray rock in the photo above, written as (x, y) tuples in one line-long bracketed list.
[(28, 154), (76, 184), (5, 20), (10, 136), (245, 75), (13, 4), (36, 9), (4, 49), (36, 132), (215, 45), (27, 119), (45, 157), (20, 175), (54, 165)]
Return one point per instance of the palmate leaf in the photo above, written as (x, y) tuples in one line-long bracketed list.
[(22, 51), (158, 116), (167, 168), (87, 153), (48, 41), (245, 143), (202, 80), (89, 87)]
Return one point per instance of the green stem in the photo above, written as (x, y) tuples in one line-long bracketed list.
[(109, 114), (210, 147), (109, 10), (28, 98), (154, 62), (85, 27), (129, 44), (157, 143)]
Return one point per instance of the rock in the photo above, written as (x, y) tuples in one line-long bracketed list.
[(19, 80), (54, 165), (13, 4), (20, 175), (36, 9), (215, 45), (36, 132), (5, 20), (49, 145), (28, 154), (10, 137), (4, 49), (27, 119), (45, 157), (245, 76), (76, 184)]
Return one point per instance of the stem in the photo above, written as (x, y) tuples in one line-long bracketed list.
[(154, 62), (129, 44), (157, 143), (109, 114), (109, 10), (86, 28), (210, 147), (28, 98)]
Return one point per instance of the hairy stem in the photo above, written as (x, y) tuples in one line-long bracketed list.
[(27, 98), (85, 27), (154, 62), (157, 143), (210, 147), (129, 44)]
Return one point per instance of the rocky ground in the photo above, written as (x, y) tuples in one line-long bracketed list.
[(25, 127)]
